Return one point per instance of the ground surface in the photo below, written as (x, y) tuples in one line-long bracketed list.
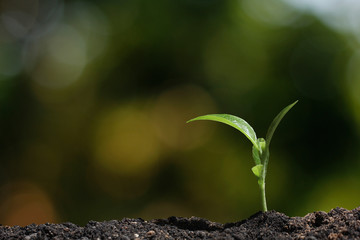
[(339, 223)]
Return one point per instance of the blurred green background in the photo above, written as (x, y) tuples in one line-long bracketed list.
[(94, 97)]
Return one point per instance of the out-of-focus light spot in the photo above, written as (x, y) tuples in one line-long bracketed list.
[(67, 46), (125, 142), (318, 6), (25, 203), (176, 106), (29, 19), (340, 15), (273, 12), (126, 152), (19, 16), (60, 61), (57, 60), (90, 21)]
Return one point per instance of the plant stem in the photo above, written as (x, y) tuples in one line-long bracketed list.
[(263, 196), (265, 160)]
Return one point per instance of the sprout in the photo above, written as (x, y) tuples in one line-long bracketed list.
[(260, 150)]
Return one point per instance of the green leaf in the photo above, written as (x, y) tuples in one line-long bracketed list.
[(257, 170), (275, 123), (256, 155), (233, 121)]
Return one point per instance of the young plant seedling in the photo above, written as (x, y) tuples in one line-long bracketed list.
[(260, 149)]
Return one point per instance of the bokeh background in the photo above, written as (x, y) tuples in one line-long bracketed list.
[(94, 96)]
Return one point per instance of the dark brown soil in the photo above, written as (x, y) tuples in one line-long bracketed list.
[(339, 223)]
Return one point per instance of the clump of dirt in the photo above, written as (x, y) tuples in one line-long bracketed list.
[(339, 223)]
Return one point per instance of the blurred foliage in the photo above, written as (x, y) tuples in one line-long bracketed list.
[(94, 97)]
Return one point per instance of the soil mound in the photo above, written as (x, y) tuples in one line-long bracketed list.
[(339, 223)]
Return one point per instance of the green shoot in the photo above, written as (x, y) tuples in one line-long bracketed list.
[(260, 150)]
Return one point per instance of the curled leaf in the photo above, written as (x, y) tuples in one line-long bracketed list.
[(233, 121), (256, 155), (275, 123)]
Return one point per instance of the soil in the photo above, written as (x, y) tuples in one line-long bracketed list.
[(339, 223)]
